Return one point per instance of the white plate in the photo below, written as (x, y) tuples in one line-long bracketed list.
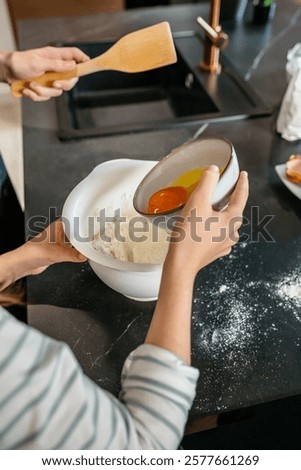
[(293, 187)]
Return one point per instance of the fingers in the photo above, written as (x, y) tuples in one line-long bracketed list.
[(65, 53), (240, 195), (60, 59), (30, 64), (205, 188), (65, 85), (41, 93), (76, 54), (56, 65), (64, 251)]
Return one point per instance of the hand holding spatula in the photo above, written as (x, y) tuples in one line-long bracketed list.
[(142, 50)]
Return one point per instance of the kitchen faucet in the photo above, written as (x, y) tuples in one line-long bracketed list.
[(215, 39)]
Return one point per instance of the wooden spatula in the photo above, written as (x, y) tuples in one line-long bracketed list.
[(142, 50)]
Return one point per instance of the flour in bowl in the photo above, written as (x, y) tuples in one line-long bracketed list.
[(131, 237)]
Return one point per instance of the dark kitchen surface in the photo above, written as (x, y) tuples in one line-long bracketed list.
[(273, 425), (246, 311)]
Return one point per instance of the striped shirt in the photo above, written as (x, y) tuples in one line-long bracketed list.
[(46, 402)]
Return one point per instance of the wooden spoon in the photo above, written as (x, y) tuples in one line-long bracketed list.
[(142, 50)]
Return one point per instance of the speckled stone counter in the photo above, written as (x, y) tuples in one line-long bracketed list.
[(246, 328)]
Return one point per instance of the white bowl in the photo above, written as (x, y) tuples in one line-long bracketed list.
[(196, 154), (137, 285), (104, 189)]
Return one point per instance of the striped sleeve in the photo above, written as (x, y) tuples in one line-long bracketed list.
[(158, 388), (46, 402)]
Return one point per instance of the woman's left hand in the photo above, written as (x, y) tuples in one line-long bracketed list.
[(25, 65), (49, 247)]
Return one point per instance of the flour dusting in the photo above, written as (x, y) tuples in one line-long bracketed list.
[(246, 323), (235, 313), (289, 288), (240, 323)]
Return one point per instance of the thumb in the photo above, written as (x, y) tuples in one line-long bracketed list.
[(207, 184)]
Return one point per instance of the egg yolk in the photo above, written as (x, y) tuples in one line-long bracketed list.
[(167, 199), (177, 193)]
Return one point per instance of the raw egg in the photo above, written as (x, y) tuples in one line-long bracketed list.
[(175, 195), (189, 178), (167, 199)]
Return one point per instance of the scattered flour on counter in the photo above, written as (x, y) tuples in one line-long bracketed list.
[(235, 314), (290, 289), (139, 242), (233, 319), (231, 331), (241, 325), (237, 309)]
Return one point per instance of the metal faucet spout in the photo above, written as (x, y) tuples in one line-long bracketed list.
[(215, 39)]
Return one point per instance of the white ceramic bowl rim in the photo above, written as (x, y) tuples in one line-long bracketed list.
[(69, 212)]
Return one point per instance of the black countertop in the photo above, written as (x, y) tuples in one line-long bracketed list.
[(246, 329)]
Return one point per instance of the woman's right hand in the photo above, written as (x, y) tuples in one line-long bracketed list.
[(202, 234)]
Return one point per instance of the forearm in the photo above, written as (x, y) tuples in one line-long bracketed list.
[(170, 327), (13, 266), (3, 66), (171, 323)]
